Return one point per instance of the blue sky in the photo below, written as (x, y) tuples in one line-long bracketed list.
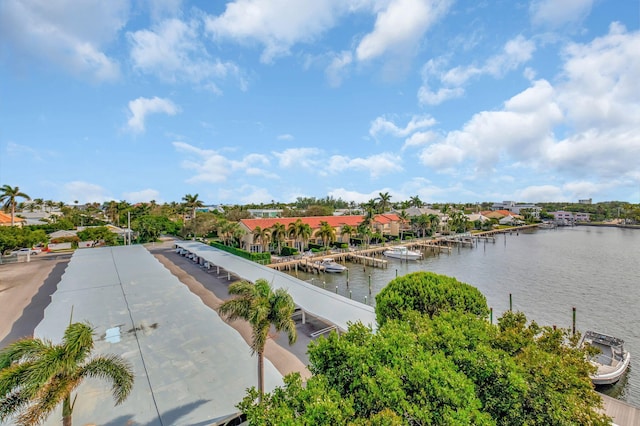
[(250, 101)]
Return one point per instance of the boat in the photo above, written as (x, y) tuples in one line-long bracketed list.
[(611, 359), (331, 265), (403, 253)]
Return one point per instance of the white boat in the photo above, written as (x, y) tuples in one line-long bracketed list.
[(330, 265), (612, 359), (403, 253)]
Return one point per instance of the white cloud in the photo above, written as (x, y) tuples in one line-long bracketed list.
[(419, 139), (209, 166), (285, 137), (338, 68), (84, 192), (381, 125), (555, 13), (141, 107), (173, 51), (69, 34), (593, 107), (450, 82), (400, 26), (143, 196), (376, 165), (301, 158), (275, 24), (355, 196)]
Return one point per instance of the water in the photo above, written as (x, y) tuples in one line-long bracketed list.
[(547, 272)]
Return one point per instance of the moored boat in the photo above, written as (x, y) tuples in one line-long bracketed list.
[(612, 360), (331, 265), (403, 253)]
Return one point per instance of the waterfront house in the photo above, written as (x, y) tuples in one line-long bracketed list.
[(385, 224)]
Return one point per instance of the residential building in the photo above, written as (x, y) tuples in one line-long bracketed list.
[(265, 213), (563, 217), (5, 220), (385, 224)]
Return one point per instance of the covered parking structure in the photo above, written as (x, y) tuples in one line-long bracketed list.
[(331, 308), (191, 368)]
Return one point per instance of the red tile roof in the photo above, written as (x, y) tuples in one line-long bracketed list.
[(314, 221), (5, 219)]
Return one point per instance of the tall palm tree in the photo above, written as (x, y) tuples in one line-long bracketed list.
[(293, 230), (347, 231), (305, 232), (262, 235), (383, 201), (37, 375), (278, 234), (8, 196), (404, 218), (415, 201), (261, 307), (192, 202), (327, 233)]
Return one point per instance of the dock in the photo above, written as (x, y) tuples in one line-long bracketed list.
[(623, 414)]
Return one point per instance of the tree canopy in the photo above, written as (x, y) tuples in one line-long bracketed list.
[(428, 293), (438, 363)]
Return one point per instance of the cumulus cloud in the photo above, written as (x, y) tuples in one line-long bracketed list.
[(584, 127), (140, 108), (142, 196), (449, 83), (304, 158), (172, 50), (276, 25), (338, 68), (382, 125), (209, 166), (376, 165), (555, 14), (84, 192), (71, 35), (400, 26)]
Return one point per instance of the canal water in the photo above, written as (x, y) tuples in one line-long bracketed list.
[(546, 272)]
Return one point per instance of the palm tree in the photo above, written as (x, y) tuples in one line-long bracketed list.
[(404, 218), (262, 235), (416, 201), (192, 202), (261, 307), (36, 375), (383, 201), (347, 231), (293, 230), (327, 233), (278, 234), (8, 196), (305, 234)]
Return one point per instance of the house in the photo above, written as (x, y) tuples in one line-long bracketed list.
[(566, 218), (5, 220), (385, 224), (265, 213), (518, 208)]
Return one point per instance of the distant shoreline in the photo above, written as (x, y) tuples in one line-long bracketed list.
[(609, 225)]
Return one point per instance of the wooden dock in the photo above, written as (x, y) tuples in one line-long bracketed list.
[(623, 414)]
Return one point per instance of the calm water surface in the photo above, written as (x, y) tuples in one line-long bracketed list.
[(547, 272)]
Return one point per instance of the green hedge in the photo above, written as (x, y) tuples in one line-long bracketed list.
[(261, 258), (288, 251)]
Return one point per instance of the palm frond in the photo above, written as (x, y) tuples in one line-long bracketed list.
[(50, 396), (114, 369), (12, 403), (27, 348), (78, 341)]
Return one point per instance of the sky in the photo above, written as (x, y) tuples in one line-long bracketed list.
[(254, 101)]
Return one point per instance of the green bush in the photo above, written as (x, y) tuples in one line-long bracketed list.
[(429, 294), (261, 258), (288, 251)]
